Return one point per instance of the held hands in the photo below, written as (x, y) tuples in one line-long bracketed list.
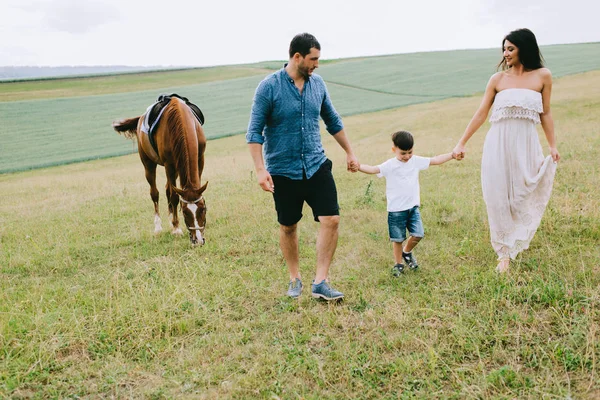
[(352, 163), (459, 152)]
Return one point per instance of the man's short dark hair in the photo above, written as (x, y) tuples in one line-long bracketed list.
[(403, 140), (302, 43)]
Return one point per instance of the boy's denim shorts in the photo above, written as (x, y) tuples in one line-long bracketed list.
[(400, 221)]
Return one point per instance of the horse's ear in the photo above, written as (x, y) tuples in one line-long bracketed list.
[(203, 188), (177, 190)]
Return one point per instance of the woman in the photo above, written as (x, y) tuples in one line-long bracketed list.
[(515, 177)]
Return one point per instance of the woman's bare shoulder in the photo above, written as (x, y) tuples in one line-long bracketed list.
[(496, 79), (544, 73)]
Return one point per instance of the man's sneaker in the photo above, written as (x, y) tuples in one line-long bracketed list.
[(324, 291), (295, 288), (398, 270), (410, 260)]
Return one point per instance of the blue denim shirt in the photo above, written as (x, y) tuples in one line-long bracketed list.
[(286, 123)]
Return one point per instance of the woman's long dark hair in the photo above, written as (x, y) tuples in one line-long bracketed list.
[(529, 51)]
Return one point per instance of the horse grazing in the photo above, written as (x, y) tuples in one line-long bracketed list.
[(180, 145)]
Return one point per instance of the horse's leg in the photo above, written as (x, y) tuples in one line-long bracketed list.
[(173, 199), (150, 168)]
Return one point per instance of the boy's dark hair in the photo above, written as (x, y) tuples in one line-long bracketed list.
[(403, 140), (302, 43), (529, 51)]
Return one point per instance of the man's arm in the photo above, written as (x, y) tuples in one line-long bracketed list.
[(351, 160), (254, 137), (333, 123), (264, 178)]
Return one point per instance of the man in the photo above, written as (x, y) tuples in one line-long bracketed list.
[(285, 120)]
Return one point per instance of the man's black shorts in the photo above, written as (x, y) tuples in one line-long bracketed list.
[(319, 192)]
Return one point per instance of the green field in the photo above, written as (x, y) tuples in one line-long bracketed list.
[(77, 87), (93, 305), (68, 120)]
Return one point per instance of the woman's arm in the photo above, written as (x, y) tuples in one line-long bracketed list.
[(546, 116), (479, 117)]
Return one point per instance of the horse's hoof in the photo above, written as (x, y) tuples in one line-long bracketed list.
[(177, 232), (157, 224)]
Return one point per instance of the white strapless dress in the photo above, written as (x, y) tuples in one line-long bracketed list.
[(515, 177)]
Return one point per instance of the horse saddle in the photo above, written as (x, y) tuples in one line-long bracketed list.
[(154, 112)]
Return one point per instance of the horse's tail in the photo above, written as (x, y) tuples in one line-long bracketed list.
[(127, 127)]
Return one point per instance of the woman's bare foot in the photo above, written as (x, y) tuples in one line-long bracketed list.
[(503, 266)]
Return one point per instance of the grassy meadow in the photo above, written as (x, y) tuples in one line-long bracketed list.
[(93, 305)]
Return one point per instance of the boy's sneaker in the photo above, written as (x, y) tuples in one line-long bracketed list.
[(410, 260), (324, 291), (398, 270), (295, 288)]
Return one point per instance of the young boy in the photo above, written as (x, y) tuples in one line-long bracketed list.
[(403, 199)]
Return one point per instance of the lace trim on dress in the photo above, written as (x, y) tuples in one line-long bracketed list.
[(517, 246), (517, 103), (514, 112), (532, 102)]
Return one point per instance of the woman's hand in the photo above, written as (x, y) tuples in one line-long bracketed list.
[(555, 155)]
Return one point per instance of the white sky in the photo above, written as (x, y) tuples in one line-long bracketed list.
[(217, 32)]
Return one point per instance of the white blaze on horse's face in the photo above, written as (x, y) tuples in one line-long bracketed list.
[(194, 215)]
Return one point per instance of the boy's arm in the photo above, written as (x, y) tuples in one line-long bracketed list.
[(369, 169), (442, 158)]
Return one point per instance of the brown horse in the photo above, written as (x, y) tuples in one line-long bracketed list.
[(180, 141)]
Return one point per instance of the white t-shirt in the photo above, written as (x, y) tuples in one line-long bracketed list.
[(402, 182)]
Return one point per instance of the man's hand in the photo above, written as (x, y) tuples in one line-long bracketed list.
[(265, 181)]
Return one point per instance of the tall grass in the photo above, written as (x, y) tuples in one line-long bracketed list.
[(93, 305)]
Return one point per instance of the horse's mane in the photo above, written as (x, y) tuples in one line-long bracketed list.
[(176, 127)]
